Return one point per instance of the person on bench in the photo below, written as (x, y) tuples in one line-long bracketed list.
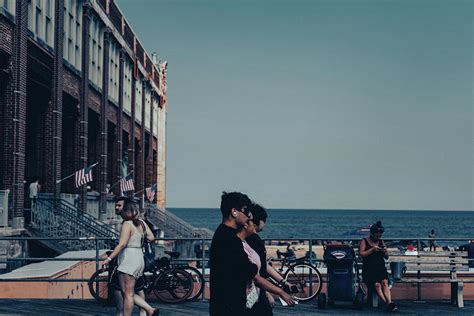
[(373, 251), (470, 253)]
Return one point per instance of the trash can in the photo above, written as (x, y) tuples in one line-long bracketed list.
[(398, 269), (339, 260)]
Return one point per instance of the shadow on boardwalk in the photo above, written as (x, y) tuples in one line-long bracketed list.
[(88, 307)]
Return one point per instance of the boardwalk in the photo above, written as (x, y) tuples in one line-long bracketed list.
[(89, 307)]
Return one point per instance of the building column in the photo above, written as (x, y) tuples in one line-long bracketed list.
[(149, 181), (104, 125), (131, 143), (82, 140), (54, 111), (140, 165), (119, 129), (161, 193), (14, 119)]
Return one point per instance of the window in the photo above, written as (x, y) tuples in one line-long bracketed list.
[(8, 5), (96, 52), (114, 55), (127, 86), (155, 115), (38, 22), (73, 32), (147, 108), (138, 100)]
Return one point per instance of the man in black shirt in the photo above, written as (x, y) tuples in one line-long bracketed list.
[(230, 267)]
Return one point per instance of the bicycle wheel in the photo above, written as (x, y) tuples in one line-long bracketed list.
[(173, 286), (198, 282), (99, 287), (307, 279)]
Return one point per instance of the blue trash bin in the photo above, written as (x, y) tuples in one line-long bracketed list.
[(341, 276)]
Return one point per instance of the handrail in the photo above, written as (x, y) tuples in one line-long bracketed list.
[(58, 218), (169, 221)]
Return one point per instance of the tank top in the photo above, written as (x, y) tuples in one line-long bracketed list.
[(374, 259)]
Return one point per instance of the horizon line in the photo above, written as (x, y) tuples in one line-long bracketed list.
[(335, 209)]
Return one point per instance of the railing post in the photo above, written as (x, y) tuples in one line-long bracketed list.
[(418, 248), (310, 250), (96, 253), (203, 269)]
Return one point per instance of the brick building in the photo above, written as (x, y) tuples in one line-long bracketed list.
[(77, 87)]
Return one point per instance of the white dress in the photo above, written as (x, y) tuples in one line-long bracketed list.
[(130, 259)]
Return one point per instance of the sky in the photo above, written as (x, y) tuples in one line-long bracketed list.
[(323, 104)]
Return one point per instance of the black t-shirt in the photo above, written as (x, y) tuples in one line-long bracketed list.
[(230, 272), (258, 245)]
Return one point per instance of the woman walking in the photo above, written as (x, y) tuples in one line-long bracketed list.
[(254, 286), (130, 258)]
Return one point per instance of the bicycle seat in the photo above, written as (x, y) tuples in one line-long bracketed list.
[(286, 254), (173, 254)]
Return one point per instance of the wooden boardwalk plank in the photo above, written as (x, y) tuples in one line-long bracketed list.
[(88, 307)]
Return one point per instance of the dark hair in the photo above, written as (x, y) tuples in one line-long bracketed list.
[(377, 228), (130, 213), (125, 199), (232, 200), (259, 213)]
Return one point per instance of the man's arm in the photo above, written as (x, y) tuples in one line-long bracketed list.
[(240, 265)]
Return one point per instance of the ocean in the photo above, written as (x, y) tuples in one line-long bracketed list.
[(293, 223)]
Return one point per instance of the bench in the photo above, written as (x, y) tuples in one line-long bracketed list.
[(449, 263)]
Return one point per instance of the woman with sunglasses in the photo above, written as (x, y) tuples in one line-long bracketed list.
[(373, 251), (258, 282)]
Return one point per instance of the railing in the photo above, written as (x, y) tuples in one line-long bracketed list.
[(93, 204), (201, 259), (58, 218), (172, 224)]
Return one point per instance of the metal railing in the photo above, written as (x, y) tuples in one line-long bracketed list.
[(171, 224), (93, 204), (200, 258), (58, 218)]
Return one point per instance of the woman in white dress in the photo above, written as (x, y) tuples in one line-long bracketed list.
[(130, 258)]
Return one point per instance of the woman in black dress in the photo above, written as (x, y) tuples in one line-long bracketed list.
[(373, 252)]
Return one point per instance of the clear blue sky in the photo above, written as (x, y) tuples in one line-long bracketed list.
[(316, 104)]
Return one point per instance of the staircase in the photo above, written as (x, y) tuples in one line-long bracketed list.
[(172, 225), (59, 219)]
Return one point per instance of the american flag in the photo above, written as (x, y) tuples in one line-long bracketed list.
[(126, 184), (83, 176), (150, 192)]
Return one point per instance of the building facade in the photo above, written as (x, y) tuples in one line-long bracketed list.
[(77, 88)]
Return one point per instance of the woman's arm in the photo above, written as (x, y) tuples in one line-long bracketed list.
[(274, 274), (268, 286), (149, 234), (363, 252), (125, 233)]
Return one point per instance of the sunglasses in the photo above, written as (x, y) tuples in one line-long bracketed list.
[(244, 210)]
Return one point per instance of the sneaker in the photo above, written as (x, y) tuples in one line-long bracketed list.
[(392, 307)]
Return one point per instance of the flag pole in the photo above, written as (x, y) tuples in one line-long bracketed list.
[(139, 191), (61, 180), (120, 180)]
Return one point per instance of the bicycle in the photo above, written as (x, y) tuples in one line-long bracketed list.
[(305, 277), (198, 281), (170, 285), (196, 275)]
